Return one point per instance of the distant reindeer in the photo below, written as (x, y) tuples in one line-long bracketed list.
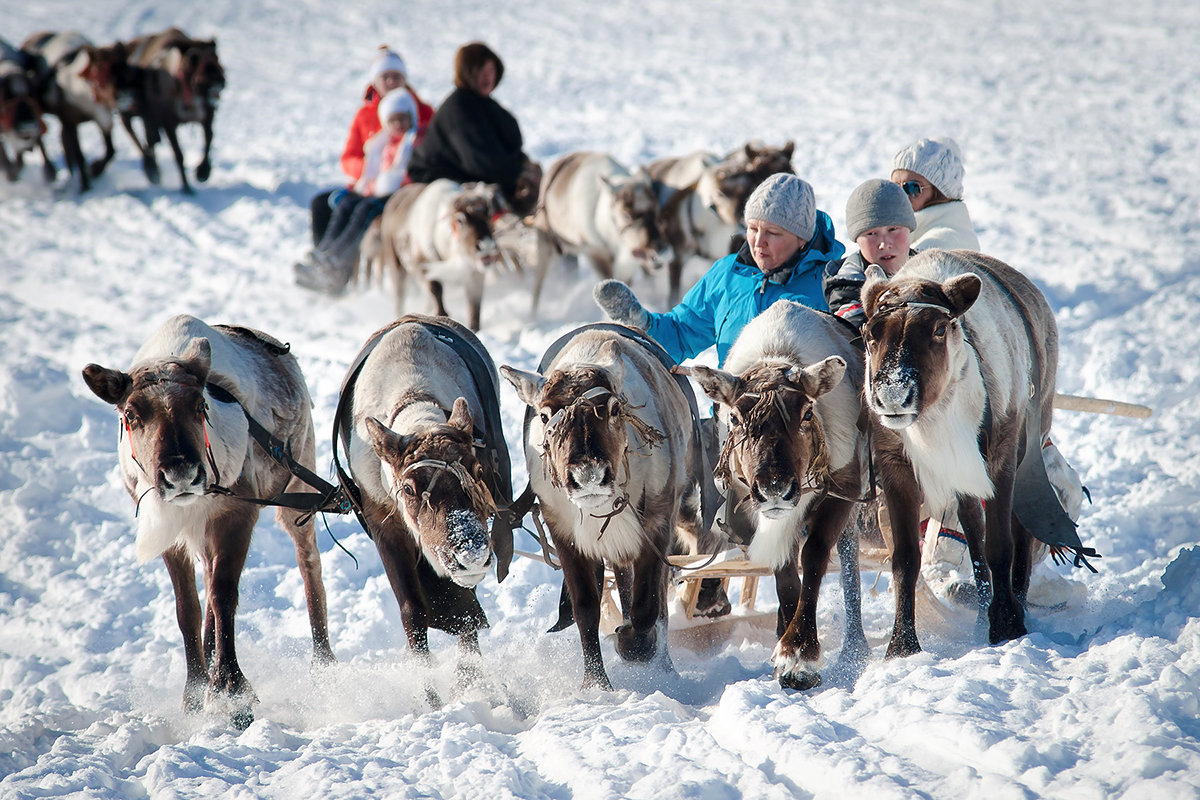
[(962, 355), (794, 455), (702, 198), (177, 80), (187, 457), (593, 206), (440, 232), (21, 124), (77, 86)]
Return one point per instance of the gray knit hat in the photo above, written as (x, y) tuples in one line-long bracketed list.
[(876, 203), (939, 161), (787, 201)]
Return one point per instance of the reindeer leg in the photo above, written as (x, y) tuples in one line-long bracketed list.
[(638, 640), (74, 155), (1006, 618), (579, 572), (970, 516), (855, 651), (902, 494), (475, 299), (173, 140), (187, 613), (204, 168), (468, 671), (12, 166), (1022, 559), (437, 290), (149, 166), (49, 171), (308, 559), (98, 166), (228, 535)]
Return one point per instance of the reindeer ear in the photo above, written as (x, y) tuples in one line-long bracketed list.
[(197, 358), (610, 353), (962, 291), (821, 377), (460, 417), (720, 386), (110, 385), (528, 384), (789, 148), (384, 440)]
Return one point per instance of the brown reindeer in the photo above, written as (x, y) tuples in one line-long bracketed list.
[(21, 123), (77, 85), (443, 232), (415, 414), (794, 454), (176, 80), (613, 476), (962, 352), (187, 458), (702, 199)]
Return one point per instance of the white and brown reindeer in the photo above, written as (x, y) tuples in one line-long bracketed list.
[(795, 456), (591, 205), (962, 353), (173, 79), (427, 495), (21, 123), (443, 232), (609, 453), (77, 86), (187, 457), (702, 198)]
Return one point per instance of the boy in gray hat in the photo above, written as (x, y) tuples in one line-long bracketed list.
[(880, 220)]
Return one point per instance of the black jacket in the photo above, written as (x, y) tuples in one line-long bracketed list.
[(471, 138)]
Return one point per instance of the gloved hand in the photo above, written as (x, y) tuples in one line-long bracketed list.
[(620, 304)]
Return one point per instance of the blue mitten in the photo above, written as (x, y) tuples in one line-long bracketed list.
[(620, 304)]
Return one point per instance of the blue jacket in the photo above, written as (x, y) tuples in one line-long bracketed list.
[(733, 292)]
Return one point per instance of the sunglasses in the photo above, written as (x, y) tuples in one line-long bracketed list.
[(912, 188)]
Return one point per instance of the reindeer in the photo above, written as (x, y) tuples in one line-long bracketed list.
[(21, 124), (593, 206), (187, 460), (702, 199), (794, 453), (613, 477), (426, 494), (77, 84), (962, 352), (176, 80), (443, 231)]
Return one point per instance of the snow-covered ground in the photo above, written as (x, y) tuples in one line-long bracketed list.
[(1079, 121)]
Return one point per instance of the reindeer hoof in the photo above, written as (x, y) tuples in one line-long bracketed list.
[(712, 600), (636, 646), (596, 680), (203, 170), (792, 670), (800, 681), (903, 645), (1005, 626), (49, 172), (150, 167), (241, 718)]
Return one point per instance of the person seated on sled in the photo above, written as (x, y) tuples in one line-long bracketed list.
[(474, 138), (880, 220), (930, 171), (788, 242), (332, 211)]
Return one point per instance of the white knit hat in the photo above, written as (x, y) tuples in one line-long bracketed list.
[(939, 161), (876, 203), (397, 101), (387, 61), (787, 201)]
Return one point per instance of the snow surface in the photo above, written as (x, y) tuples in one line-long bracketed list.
[(1079, 121)]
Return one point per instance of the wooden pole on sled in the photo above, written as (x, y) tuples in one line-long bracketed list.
[(1096, 405)]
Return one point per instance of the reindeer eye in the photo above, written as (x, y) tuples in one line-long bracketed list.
[(131, 418), (808, 415), (408, 490), (939, 330), (544, 416)]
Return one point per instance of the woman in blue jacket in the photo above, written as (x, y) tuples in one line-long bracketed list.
[(788, 242)]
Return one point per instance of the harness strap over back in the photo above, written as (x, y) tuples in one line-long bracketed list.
[(497, 468)]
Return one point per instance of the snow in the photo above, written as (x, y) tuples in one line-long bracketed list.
[(1078, 120)]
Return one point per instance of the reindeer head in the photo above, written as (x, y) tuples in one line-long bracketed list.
[(580, 430), (914, 342), (437, 485), (475, 211), (635, 213), (201, 73), (105, 65), (737, 176), (20, 112), (775, 445), (163, 418)]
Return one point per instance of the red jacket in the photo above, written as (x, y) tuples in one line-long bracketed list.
[(366, 124)]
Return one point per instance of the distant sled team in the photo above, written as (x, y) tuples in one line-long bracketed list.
[(163, 79)]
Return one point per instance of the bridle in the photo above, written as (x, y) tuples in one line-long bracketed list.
[(481, 498)]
